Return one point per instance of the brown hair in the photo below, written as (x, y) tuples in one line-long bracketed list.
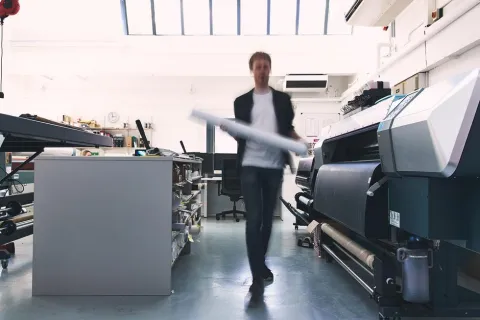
[(259, 56)]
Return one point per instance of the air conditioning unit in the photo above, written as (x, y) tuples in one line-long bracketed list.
[(375, 13), (305, 82)]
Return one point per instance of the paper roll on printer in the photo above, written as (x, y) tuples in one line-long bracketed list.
[(244, 131)]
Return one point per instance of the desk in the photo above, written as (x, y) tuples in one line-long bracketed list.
[(215, 203), (212, 179)]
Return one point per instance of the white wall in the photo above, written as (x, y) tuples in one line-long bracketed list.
[(459, 64), (190, 56), (448, 46), (450, 42), (165, 101)]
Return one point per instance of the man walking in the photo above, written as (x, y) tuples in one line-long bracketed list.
[(261, 167)]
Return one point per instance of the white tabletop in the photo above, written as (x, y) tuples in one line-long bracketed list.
[(212, 179)]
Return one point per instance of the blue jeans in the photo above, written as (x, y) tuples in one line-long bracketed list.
[(260, 188)]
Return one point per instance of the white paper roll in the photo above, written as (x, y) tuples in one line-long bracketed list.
[(246, 132), (49, 152)]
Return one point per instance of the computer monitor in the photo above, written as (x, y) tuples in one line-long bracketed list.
[(219, 157), (207, 163)]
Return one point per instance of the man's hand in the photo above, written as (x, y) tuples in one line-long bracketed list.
[(294, 135)]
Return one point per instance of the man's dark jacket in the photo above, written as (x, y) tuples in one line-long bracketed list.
[(283, 111)]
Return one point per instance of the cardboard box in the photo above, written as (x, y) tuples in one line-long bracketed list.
[(128, 141), (398, 89)]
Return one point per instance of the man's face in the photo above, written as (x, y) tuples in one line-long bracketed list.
[(261, 72)]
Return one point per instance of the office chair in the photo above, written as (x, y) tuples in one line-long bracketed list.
[(230, 187)]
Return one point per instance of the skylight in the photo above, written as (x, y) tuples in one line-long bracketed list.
[(235, 17)]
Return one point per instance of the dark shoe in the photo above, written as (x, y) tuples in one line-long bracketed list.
[(256, 290), (267, 275)]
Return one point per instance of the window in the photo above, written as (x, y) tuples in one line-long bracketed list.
[(196, 17), (224, 14), (219, 17), (253, 17), (167, 17), (336, 17), (312, 17), (139, 17), (224, 143), (283, 14)]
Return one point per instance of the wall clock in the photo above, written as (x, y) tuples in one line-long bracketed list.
[(113, 117)]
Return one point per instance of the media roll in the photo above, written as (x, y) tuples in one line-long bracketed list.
[(246, 132)]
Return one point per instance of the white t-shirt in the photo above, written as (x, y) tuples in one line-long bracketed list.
[(263, 118)]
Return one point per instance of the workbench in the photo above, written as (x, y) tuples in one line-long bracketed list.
[(103, 225)]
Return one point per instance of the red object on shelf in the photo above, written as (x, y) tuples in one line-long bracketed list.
[(28, 167), (9, 8)]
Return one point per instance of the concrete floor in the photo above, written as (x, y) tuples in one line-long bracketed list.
[(211, 283)]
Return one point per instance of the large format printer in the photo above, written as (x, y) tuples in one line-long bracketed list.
[(402, 180), (29, 135)]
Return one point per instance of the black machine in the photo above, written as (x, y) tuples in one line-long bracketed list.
[(375, 91), (30, 133), (305, 180), (395, 191), (303, 212)]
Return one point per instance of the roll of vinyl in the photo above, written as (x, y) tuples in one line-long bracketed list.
[(50, 152), (351, 246), (246, 132), (305, 200)]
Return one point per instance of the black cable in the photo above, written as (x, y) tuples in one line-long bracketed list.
[(1, 57), (15, 183)]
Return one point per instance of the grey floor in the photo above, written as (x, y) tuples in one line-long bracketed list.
[(210, 283)]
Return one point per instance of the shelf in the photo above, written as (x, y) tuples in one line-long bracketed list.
[(109, 148), (120, 129), (179, 242), (187, 212), (196, 222), (188, 215), (191, 196), (179, 184), (197, 207), (325, 99)]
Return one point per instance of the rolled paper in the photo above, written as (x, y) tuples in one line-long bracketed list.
[(49, 152), (244, 131)]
